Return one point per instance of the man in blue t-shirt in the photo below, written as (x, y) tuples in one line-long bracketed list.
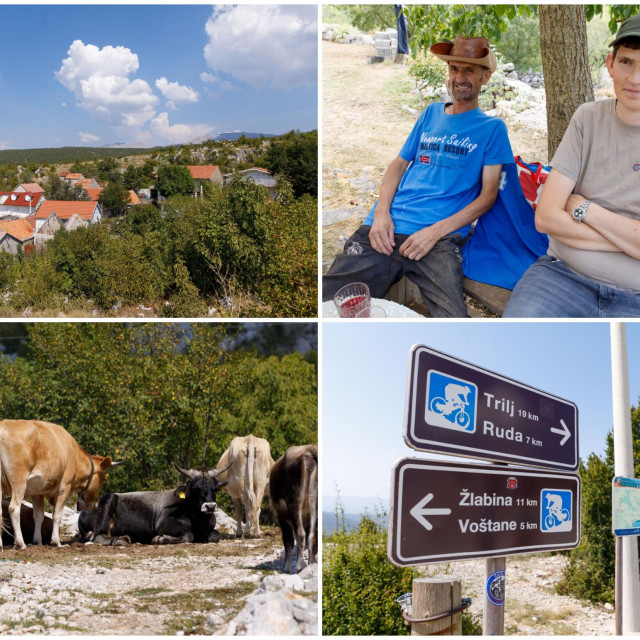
[(446, 176)]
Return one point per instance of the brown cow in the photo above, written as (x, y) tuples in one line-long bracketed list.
[(42, 460), (250, 460), (293, 486)]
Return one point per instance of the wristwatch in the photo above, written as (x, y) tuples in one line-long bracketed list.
[(580, 212)]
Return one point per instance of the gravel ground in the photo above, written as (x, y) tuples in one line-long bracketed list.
[(532, 607), (150, 590)]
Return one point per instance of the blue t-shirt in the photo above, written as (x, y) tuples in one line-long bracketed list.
[(448, 153)]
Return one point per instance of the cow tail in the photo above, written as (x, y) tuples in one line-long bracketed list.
[(251, 471)]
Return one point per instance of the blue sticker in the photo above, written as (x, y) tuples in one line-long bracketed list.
[(495, 588), (451, 402)]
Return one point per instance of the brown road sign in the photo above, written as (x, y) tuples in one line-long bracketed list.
[(459, 408), (445, 511)]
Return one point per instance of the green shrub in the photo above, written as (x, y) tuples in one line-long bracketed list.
[(359, 584)]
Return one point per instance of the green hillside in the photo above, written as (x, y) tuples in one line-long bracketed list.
[(59, 155)]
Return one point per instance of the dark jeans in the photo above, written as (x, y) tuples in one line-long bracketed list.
[(438, 275)]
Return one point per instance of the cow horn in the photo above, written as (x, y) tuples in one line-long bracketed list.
[(115, 464), (217, 472), (185, 472)]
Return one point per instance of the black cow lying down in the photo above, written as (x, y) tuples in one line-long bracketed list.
[(27, 524), (186, 514)]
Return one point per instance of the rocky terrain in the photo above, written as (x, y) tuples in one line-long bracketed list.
[(532, 608), (231, 588)]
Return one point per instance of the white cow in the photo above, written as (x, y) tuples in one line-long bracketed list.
[(248, 476)]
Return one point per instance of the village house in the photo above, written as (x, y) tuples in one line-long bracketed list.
[(89, 211), (29, 187), (15, 205), (257, 175), (87, 183), (205, 173), (16, 233), (71, 177)]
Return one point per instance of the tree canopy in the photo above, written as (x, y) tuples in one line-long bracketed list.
[(175, 180), (153, 394)]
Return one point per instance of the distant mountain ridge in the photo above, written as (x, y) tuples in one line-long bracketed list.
[(59, 155)]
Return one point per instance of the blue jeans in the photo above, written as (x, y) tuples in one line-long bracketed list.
[(438, 275), (549, 289)]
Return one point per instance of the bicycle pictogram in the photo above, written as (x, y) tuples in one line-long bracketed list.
[(453, 405)]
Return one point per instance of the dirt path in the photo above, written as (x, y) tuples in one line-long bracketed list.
[(365, 123), (133, 590), (531, 605)]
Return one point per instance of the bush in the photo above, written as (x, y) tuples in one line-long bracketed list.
[(359, 584)]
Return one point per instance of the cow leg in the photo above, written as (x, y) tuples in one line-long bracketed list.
[(57, 517), (287, 539), (166, 539), (38, 518), (14, 511), (237, 505)]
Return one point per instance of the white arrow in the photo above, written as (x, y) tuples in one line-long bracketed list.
[(563, 432), (419, 512)]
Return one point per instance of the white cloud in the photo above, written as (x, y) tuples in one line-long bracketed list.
[(176, 133), (99, 78), (88, 137), (264, 46), (175, 92), (208, 77)]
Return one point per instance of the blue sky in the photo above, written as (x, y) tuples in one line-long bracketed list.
[(364, 378), (154, 74)]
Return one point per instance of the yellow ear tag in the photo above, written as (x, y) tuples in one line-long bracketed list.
[(182, 495)]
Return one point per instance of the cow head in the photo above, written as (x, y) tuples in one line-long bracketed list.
[(202, 487), (89, 496)]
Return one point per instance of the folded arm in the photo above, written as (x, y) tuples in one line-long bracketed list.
[(554, 216), (417, 245)]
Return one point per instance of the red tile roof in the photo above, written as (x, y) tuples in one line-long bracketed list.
[(20, 199), (64, 209), (32, 187), (19, 229), (74, 176), (94, 192), (202, 172)]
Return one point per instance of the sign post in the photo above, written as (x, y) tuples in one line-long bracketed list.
[(459, 408), (447, 511)]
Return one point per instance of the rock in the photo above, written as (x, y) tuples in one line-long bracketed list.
[(608, 606)]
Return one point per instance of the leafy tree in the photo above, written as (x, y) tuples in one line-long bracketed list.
[(132, 177), (150, 393), (108, 170), (295, 157), (114, 199), (175, 180), (58, 189)]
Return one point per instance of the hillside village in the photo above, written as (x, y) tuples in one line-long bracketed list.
[(219, 228), (30, 213)]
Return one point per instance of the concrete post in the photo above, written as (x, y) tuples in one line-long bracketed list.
[(623, 457)]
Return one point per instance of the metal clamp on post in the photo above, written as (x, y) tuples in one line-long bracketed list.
[(466, 603)]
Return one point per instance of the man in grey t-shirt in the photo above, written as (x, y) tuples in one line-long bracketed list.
[(590, 205)]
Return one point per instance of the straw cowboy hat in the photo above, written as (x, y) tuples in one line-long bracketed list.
[(475, 50)]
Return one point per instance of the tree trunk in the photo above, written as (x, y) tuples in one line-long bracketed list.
[(565, 63)]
